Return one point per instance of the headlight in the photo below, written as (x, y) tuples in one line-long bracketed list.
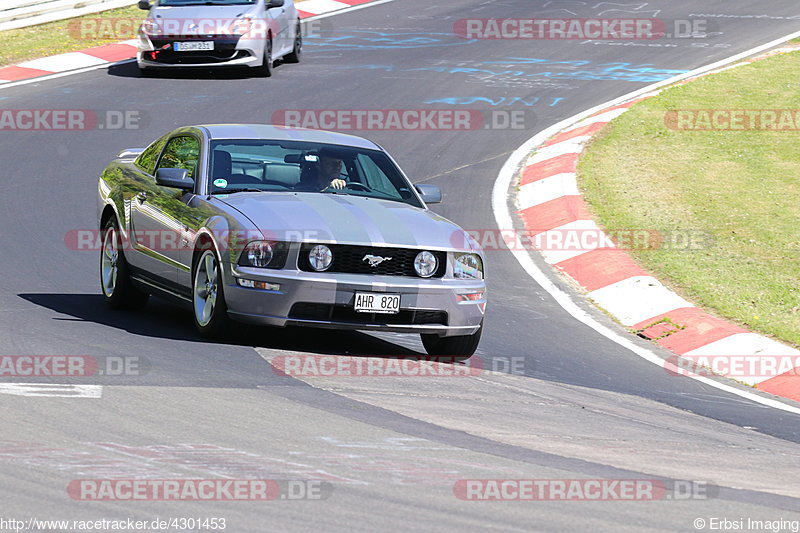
[(151, 27), (468, 266), (426, 264), (320, 257), (241, 26), (257, 254)]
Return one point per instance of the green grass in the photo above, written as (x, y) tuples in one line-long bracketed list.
[(61, 36), (742, 187)]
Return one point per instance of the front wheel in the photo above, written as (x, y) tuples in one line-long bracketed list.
[(297, 50), (208, 299), (460, 347), (118, 290), (265, 70)]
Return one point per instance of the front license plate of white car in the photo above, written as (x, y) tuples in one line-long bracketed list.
[(377, 302), (193, 46)]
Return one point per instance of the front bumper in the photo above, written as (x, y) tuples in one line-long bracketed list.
[(326, 301), (228, 52)]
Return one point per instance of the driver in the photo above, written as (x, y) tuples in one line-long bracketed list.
[(325, 173), (330, 171)]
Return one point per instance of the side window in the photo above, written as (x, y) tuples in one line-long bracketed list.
[(181, 152), (147, 159), (376, 179)]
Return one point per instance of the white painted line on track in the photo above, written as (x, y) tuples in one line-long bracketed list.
[(565, 242), (572, 146), (547, 189), (64, 62), (637, 298), (319, 7), (503, 218), (347, 10), (750, 345), (51, 390)]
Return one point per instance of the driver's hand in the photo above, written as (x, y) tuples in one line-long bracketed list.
[(338, 184)]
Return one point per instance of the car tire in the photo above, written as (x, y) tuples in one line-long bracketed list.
[(115, 282), (208, 299), (460, 347), (265, 70), (297, 50)]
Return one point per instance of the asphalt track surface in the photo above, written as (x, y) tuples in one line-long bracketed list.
[(580, 406)]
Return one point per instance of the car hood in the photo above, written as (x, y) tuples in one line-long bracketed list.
[(207, 14), (339, 218)]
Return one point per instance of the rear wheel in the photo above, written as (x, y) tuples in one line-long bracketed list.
[(460, 347), (265, 70), (118, 289), (208, 299), (297, 51)]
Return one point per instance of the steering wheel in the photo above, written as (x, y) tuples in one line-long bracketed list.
[(358, 186)]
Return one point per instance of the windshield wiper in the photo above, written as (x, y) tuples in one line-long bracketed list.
[(232, 191)]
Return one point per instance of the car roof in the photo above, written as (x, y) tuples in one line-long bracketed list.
[(283, 133)]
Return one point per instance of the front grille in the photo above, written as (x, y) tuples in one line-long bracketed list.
[(343, 313), (350, 259)]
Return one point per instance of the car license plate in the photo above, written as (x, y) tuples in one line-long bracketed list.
[(377, 302), (193, 46)]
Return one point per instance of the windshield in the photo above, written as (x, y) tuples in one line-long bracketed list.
[(205, 2), (264, 165)]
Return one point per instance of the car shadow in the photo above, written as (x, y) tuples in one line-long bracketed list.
[(129, 69), (161, 319)]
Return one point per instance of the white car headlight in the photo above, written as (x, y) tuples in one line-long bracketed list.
[(151, 27), (257, 254), (467, 266), (241, 26), (320, 258), (426, 264)]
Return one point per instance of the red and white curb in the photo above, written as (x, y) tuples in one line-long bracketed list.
[(111, 53), (549, 201)]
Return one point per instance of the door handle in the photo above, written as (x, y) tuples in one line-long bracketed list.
[(141, 197)]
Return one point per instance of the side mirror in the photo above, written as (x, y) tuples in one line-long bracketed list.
[(431, 194), (274, 3), (176, 178), (144, 4)]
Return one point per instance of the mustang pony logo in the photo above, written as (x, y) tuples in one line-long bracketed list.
[(375, 260)]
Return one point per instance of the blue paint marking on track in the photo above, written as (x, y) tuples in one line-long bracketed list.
[(378, 40), (498, 101), (631, 72)]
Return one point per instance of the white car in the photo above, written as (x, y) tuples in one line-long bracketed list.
[(219, 33)]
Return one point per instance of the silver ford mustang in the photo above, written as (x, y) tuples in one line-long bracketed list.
[(279, 226)]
